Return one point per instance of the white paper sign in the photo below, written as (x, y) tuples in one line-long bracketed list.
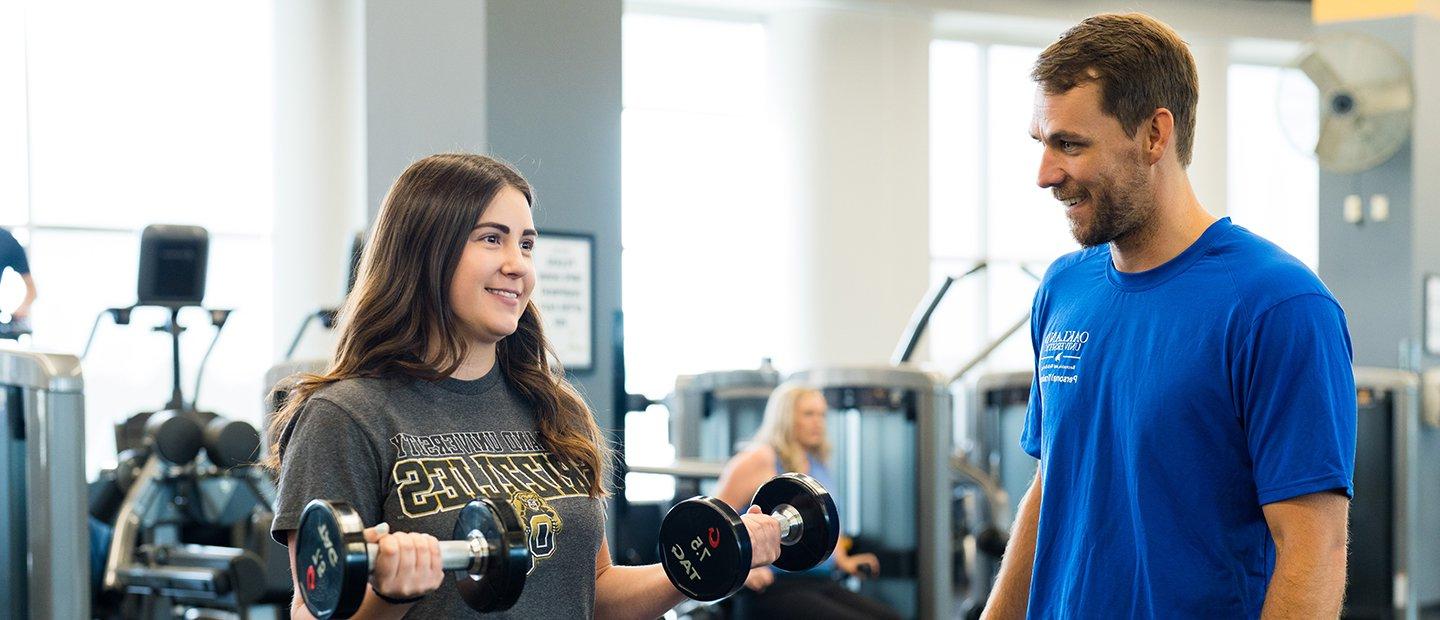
[(563, 293), (1432, 311)]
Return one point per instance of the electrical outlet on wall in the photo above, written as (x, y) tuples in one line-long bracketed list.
[(1379, 207), (1353, 209)]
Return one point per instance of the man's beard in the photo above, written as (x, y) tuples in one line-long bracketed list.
[(1117, 210)]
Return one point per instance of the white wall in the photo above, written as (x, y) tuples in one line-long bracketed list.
[(852, 94), (319, 160)]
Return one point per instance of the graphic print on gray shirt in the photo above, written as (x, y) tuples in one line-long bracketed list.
[(412, 453)]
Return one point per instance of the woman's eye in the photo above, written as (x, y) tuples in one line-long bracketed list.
[(528, 244), (490, 238)]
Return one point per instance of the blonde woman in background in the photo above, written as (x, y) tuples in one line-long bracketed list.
[(792, 438)]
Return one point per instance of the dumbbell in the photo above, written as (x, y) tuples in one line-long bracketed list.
[(489, 557), (706, 550)]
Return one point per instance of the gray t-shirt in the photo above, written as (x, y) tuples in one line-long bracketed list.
[(411, 453)]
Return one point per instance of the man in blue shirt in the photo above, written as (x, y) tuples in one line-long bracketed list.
[(1193, 407)]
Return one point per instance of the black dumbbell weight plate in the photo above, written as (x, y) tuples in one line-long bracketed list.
[(817, 509), (504, 577), (331, 564), (705, 548)]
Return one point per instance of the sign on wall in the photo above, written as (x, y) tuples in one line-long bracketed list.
[(1432, 314), (564, 266)]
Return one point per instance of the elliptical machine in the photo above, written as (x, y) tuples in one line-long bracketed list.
[(173, 264), (190, 532)]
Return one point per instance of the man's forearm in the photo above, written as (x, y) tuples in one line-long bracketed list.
[(1309, 582), (1310, 533), (1011, 594)]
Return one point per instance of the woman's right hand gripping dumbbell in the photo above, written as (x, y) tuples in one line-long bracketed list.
[(407, 565)]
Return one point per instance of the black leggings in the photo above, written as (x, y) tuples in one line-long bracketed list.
[(802, 597)]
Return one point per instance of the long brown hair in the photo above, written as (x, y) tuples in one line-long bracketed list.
[(397, 322)]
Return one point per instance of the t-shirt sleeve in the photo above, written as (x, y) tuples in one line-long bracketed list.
[(327, 456), (1030, 434), (1297, 393), (11, 254)]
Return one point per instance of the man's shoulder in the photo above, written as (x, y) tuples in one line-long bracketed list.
[(1263, 273), (1066, 265)]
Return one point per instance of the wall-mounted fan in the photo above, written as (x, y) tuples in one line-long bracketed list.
[(1365, 99)]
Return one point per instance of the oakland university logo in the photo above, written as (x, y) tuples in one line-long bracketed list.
[(1060, 354), (542, 524)]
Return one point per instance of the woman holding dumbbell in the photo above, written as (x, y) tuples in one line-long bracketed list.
[(791, 438), (440, 390)]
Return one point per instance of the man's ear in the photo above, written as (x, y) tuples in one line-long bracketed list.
[(1159, 134)]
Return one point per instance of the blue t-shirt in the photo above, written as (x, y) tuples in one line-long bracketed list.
[(11, 254), (1168, 406)]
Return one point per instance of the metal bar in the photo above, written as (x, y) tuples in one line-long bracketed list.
[(933, 437), (990, 348), (690, 469), (177, 399), (55, 494), (129, 520)]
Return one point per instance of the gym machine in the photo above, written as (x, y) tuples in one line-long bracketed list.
[(991, 474), (712, 414), (43, 574), (891, 430), (190, 532), (1394, 567), (173, 264)]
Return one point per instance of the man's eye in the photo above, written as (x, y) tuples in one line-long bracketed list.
[(528, 244)]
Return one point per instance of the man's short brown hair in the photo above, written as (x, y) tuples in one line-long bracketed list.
[(1140, 65)]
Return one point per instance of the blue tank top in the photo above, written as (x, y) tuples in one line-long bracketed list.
[(821, 474)]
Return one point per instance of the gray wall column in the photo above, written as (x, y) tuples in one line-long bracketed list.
[(554, 112), (1376, 268), (424, 85)]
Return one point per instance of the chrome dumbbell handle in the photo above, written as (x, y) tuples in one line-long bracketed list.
[(469, 555), (791, 524)]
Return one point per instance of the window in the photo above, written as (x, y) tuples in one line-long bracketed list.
[(130, 114), (985, 205), (1274, 187), (698, 200), (14, 167)]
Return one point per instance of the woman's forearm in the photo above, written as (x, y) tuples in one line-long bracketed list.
[(642, 592)]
